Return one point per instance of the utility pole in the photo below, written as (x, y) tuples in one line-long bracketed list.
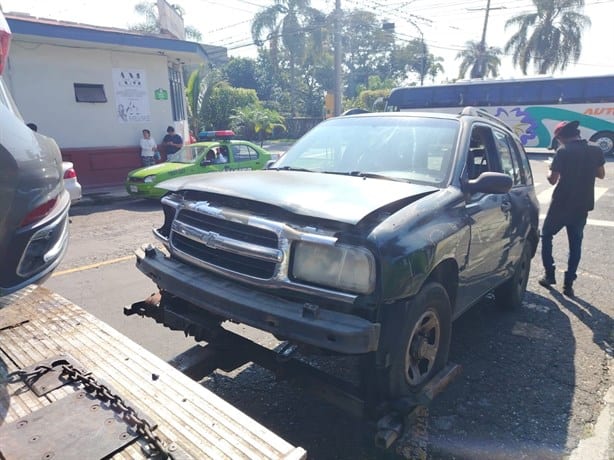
[(338, 85), (481, 60), (483, 41)]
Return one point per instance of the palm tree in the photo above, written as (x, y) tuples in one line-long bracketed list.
[(285, 20), (550, 37), (198, 91), (482, 60), (435, 67), (256, 119)]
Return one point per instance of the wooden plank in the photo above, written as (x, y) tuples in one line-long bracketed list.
[(199, 422)]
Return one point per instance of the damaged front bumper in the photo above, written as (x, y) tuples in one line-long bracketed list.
[(296, 321)]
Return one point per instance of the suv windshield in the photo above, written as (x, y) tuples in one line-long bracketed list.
[(407, 148)]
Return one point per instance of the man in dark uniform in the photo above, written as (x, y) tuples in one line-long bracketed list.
[(172, 141), (573, 171)]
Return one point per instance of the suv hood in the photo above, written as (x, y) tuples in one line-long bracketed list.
[(327, 196)]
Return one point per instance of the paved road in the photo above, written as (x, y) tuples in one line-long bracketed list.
[(534, 381)]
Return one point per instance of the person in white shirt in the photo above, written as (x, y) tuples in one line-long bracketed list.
[(149, 149)]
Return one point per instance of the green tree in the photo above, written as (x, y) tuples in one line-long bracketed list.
[(414, 57), (256, 121), (550, 37), (241, 73), (366, 50), (222, 103), (285, 20), (481, 60), (151, 22)]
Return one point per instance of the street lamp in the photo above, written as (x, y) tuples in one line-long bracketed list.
[(423, 46)]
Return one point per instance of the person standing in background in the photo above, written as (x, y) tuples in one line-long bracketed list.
[(172, 141), (574, 168), (149, 149)]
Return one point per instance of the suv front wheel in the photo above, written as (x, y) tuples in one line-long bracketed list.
[(419, 342)]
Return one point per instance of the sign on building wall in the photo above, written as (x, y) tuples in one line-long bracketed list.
[(131, 97)]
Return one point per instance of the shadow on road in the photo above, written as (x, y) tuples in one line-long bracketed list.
[(600, 323), (515, 395), (512, 401)]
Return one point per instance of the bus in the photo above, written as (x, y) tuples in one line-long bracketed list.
[(532, 107)]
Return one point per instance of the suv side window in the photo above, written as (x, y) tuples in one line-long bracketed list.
[(521, 157), (477, 157), (509, 166)]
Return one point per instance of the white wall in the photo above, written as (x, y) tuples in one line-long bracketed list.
[(41, 79)]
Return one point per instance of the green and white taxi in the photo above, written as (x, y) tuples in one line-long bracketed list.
[(217, 152)]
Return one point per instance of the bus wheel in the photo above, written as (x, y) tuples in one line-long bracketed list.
[(605, 140)]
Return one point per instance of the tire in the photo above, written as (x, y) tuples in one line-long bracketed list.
[(420, 347), (605, 140), (510, 294)]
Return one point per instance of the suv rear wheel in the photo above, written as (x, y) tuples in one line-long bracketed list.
[(510, 294)]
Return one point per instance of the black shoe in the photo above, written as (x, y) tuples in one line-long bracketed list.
[(547, 281), (568, 291)]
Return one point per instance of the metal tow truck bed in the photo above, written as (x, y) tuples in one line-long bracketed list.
[(38, 325)]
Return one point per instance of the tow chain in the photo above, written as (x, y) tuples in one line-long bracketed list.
[(155, 447)]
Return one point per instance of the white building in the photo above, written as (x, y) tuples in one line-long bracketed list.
[(95, 89)]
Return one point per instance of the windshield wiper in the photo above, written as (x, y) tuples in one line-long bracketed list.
[(290, 168), (371, 175)]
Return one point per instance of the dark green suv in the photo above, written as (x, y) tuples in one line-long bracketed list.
[(368, 237)]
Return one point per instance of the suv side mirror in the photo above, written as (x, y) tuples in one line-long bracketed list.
[(490, 182)]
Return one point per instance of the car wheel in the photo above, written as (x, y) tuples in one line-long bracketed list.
[(510, 294), (420, 348)]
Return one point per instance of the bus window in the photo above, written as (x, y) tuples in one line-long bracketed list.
[(520, 93), (475, 95), (574, 91), (492, 94), (415, 97), (600, 89), (447, 96), (551, 93)]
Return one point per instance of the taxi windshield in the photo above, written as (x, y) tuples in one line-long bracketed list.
[(187, 154)]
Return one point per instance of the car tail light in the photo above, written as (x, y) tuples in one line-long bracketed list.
[(70, 174), (5, 40), (39, 212)]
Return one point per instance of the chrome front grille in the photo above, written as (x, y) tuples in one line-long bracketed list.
[(227, 244), (240, 245)]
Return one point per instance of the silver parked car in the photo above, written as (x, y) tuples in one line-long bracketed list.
[(33, 201)]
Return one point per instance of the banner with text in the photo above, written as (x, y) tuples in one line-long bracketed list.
[(131, 97)]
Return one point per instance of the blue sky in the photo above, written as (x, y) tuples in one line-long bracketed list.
[(446, 24)]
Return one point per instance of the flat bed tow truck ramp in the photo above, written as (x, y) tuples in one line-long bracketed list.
[(72, 387)]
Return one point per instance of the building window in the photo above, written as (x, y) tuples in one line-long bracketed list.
[(176, 84), (85, 92)]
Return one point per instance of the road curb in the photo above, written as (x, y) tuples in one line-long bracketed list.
[(600, 446)]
